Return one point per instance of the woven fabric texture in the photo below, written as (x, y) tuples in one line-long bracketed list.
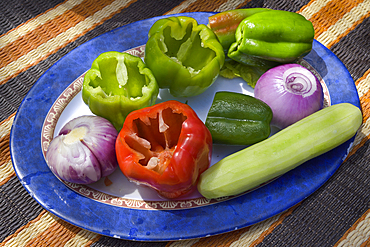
[(34, 35)]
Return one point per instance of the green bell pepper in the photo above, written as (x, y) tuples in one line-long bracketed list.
[(272, 37), (183, 56), (224, 24), (238, 119), (117, 84)]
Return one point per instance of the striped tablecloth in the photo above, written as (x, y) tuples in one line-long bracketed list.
[(35, 34)]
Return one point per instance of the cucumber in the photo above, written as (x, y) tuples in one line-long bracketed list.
[(287, 149)]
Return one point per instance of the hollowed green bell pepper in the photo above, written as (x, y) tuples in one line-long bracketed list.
[(183, 56), (238, 119), (117, 84), (272, 37)]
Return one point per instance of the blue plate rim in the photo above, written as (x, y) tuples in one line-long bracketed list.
[(164, 225)]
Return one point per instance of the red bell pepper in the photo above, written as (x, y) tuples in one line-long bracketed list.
[(165, 146)]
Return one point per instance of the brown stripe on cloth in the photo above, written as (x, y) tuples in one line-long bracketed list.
[(49, 42)]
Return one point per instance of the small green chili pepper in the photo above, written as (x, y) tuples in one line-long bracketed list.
[(238, 119), (272, 37), (117, 84), (183, 56)]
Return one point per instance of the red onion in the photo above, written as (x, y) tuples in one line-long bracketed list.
[(84, 150), (292, 92)]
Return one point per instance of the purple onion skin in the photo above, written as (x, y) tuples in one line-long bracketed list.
[(291, 91), (89, 158)]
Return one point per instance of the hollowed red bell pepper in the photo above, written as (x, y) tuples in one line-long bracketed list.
[(165, 146)]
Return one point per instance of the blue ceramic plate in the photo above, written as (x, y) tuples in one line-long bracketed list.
[(117, 208)]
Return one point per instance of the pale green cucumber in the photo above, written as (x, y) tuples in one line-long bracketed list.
[(287, 149)]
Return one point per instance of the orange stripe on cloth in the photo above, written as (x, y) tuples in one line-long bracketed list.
[(363, 88), (366, 243), (365, 100), (6, 125), (53, 41), (350, 238), (348, 30), (333, 11), (5, 160), (347, 23), (49, 230), (93, 240), (362, 77), (6, 168), (39, 20), (62, 233), (17, 237), (57, 234), (49, 30), (310, 4)]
